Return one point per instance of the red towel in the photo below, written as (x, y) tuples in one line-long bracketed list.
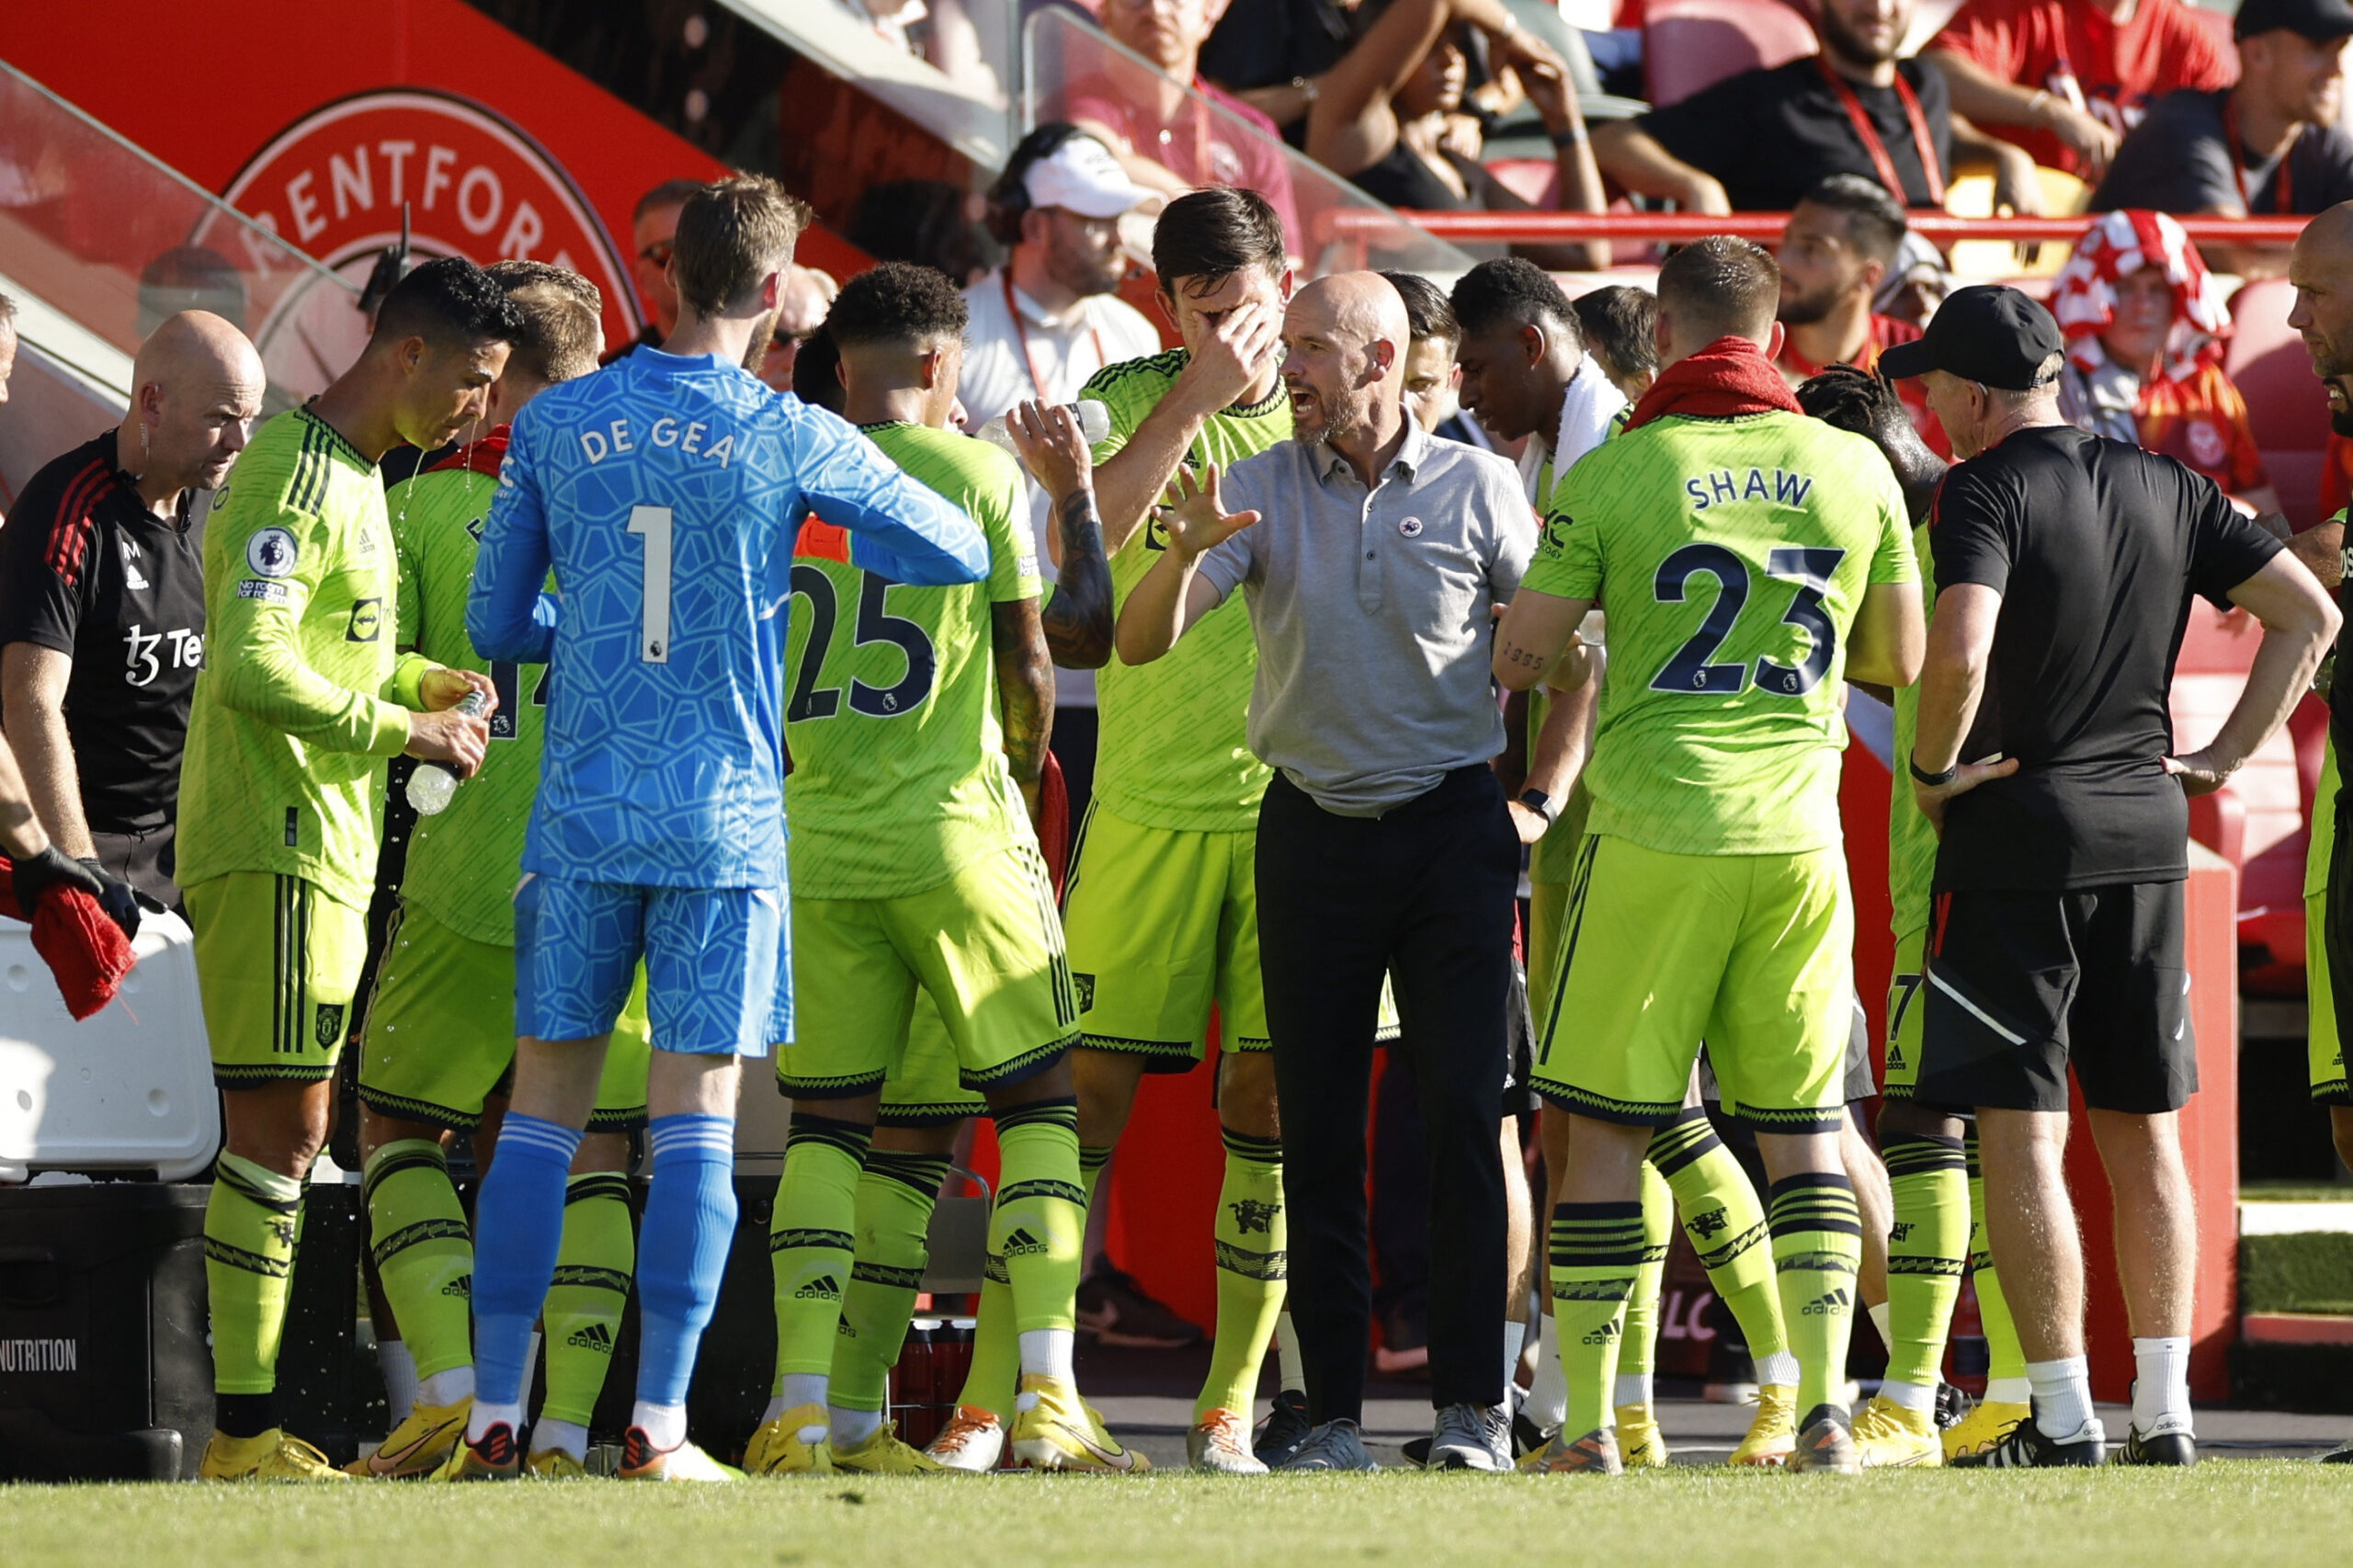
[(83, 947), (1053, 829), (1728, 378)]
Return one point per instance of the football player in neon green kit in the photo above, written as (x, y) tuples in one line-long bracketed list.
[(300, 701), (440, 1038), (1751, 560)]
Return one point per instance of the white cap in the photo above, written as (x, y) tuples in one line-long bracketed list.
[(1081, 175)]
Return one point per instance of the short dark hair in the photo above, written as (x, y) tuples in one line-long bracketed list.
[(1513, 291), (1621, 327), (1723, 286), (919, 220), (899, 302), (1853, 399), (1009, 195), (669, 193), (1427, 314), (815, 380), (450, 303), (731, 233), (563, 315), (1875, 220), (1212, 234)]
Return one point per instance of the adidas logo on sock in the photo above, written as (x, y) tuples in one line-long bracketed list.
[(1836, 1303), (824, 1288), (1021, 1244), (596, 1336), (1605, 1334), (1901, 1231), (462, 1288)]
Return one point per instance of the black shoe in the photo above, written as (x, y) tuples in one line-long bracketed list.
[(1417, 1451), (2341, 1454), (1115, 1310), (1284, 1429), (1526, 1436), (1952, 1406), (2026, 1449), (2165, 1447)]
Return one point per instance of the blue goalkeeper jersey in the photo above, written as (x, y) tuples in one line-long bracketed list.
[(666, 493)]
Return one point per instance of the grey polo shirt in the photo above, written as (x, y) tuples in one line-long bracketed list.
[(1373, 613)]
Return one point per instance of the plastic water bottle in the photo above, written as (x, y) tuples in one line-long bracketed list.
[(1093, 422), (432, 786)]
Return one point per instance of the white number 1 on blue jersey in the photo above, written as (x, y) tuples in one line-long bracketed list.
[(654, 640)]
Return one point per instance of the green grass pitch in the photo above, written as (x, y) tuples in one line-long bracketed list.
[(2276, 1512)]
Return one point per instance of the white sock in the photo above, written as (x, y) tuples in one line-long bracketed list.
[(1514, 1339), (569, 1435), (2062, 1397), (447, 1388), (1046, 1352), (775, 1409), (665, 1426), (2009, 1390), (1779, 1369), (2161, 1391), (1633, 1387), (852, 1428), (1548, 1396), (1911, 1396), (485, 1415), (1291, 1371), (1878, 1320), (797, 1388), (400, 1378)]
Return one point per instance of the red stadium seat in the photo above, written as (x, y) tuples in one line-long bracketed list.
[(1691, 45), (2284, 403)]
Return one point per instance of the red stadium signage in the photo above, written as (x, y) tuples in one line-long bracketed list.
[(334, 182)]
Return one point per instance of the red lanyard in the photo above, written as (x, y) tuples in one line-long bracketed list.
[(2285, 200), (1021, 335), (1869, 135)]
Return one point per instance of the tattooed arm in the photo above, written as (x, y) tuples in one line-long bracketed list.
[(1024, 692), (1078, 614)]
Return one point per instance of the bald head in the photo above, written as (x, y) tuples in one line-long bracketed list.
[(198, 389), (2321, 267), (1345, 338)]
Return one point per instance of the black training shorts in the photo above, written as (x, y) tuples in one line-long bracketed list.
[(2023, 985)]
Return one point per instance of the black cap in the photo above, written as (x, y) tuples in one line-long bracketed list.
[(2322, 21), (1987, 333)]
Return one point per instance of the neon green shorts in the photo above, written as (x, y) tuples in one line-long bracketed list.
[(440, 1034), (2329, 1084), (1162, 924), (278, 962), (1905, 1008), (1755, 953), (987, 944), (926, 1089)]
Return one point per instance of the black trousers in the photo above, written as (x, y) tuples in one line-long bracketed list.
[(1425, 894)]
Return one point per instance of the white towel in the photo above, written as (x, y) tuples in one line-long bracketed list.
[(1592, 404)]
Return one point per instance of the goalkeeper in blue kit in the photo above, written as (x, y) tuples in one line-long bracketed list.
[(665, 493)]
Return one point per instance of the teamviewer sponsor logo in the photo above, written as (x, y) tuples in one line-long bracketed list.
[(40, 1355)]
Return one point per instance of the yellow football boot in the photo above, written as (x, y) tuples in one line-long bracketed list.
[(269, 1456), (1773, 1435), (1061, 1431), (883, 1454), (1641, 1445), (1887, 1435), (555, 1464), (417, 1446), (1984, 1426), (778, 1448)]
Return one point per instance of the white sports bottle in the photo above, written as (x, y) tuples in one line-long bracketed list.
[(432, 786)]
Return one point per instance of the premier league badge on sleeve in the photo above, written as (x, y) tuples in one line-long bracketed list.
[(270, 553)]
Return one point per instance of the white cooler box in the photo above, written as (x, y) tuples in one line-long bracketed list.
[(129, 1088)]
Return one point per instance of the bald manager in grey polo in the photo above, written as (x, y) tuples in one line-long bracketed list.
[(1371, 555)]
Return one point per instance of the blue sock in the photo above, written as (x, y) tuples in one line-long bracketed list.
[(682, 1248), (519, 1224)]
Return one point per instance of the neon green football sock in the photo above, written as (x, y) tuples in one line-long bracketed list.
[(249, 1224), (423, 1251), (1726, 1225), (895, 1198), (1925, 1253), (2005, 1356), (1639, 1351), (996, 1369), (1040, 1214), (811, 1243), (1597, 1252), (1817, 1249), (1250, 1238), (594, 1263)]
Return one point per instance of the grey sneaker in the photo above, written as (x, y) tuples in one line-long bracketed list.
[(1335, 1444), (1471, 1436)]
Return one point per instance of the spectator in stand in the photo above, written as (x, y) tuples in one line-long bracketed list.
[(189, 278), (801, 309), (2145, 323), (1759, 142), (654, 227), (1379, 121), (7, 343), (1272, 54), (2272, 145), (1168, 142), (923, 220), (1619, 324), (2065, 79), (1840, 244)]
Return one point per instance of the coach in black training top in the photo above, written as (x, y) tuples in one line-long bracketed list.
[(2065, 567), (102, 606)]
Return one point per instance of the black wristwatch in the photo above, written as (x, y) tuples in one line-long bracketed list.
[(1540, 802), (1932, 780)]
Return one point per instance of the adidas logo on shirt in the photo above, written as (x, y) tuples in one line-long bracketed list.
[(596, 1336), (824, 1288), (1837, 1304)]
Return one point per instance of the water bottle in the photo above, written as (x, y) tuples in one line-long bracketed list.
[(431, 786), (1093, 422)]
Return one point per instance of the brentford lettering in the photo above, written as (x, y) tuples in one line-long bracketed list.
[(1781, 488), (473, 193)]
